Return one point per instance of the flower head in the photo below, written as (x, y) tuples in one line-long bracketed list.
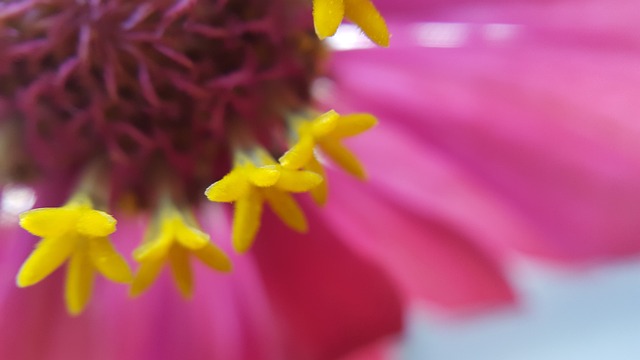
[(139, 106), (157, 93)]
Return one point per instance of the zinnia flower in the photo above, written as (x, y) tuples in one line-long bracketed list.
[(127, 112)]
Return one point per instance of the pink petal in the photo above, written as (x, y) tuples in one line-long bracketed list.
[(34, 320), (562, 13), (381, 350), (431, 257), (549, 129), (329, 299)]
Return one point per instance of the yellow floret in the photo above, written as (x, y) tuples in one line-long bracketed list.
[(328, 14), (254, 181), (172, 238), (327, 132), (78, 233)]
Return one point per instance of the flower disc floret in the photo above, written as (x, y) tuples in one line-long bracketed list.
[(326, 132), (78, 233), (328, 14), (255, 180), (174, 238)]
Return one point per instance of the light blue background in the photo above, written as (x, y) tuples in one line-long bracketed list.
[(591, 314)]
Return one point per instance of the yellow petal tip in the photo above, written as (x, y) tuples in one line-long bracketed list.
[(327, 16)]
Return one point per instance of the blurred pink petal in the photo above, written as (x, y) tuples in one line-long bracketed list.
[(324, 292), (420, 218), (589, 15), (381, 350), (548, 128)]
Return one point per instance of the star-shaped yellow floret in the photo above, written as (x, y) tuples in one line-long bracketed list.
[(255, 181), (327, 132), (328, 14), (78, 233), (172, 238)]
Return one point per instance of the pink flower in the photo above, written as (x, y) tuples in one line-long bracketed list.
[(486, 147)]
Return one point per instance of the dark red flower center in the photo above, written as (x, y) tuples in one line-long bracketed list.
[(156, 85)]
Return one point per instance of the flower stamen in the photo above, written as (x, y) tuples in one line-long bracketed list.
[(326, 132), (255, 180), (328, 14), (78, 233), (173, 236)]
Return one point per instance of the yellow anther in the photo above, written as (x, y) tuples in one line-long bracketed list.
[(328, 14), (78, 233), (254, 181), (173, 236), (246, 219), (327, 132)]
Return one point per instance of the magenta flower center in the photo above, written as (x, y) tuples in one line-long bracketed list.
[(151, 86)]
